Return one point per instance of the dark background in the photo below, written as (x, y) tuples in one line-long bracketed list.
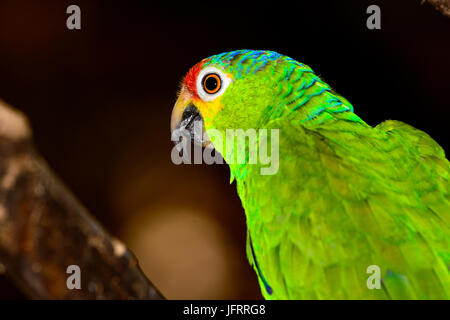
[(99, 100)]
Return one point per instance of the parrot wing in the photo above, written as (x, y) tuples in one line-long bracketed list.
[(348, 196)]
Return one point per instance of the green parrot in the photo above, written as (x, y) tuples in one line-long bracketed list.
[(351, 211)]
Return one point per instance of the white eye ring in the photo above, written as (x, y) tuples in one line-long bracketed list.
[(224, 82)]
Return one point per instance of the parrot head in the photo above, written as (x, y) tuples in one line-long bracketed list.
[(246, 89), (226, 91)]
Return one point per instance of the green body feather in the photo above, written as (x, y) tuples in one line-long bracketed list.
[(346, 195)]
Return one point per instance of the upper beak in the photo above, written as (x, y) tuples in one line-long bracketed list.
[(187, 121)]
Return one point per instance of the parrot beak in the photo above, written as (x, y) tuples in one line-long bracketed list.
[(186, 121)]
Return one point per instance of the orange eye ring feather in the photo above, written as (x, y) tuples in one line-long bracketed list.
[(218, 83)]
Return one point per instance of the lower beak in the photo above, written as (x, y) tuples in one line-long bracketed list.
[(187, 122)]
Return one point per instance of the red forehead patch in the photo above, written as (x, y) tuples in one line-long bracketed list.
[(191, 77)]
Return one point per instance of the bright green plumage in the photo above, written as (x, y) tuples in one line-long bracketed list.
[(346, 195)]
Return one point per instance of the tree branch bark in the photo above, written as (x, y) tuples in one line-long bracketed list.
[(442, 5), (44, 229)]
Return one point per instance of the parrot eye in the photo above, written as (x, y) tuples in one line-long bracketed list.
[(211, 83)]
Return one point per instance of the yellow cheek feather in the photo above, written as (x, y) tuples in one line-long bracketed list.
[(208, 109)]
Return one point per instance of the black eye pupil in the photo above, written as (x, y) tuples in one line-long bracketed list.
[(211, 83)]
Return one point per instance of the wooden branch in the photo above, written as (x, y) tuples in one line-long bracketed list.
[(442, 5), (44, 230)]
